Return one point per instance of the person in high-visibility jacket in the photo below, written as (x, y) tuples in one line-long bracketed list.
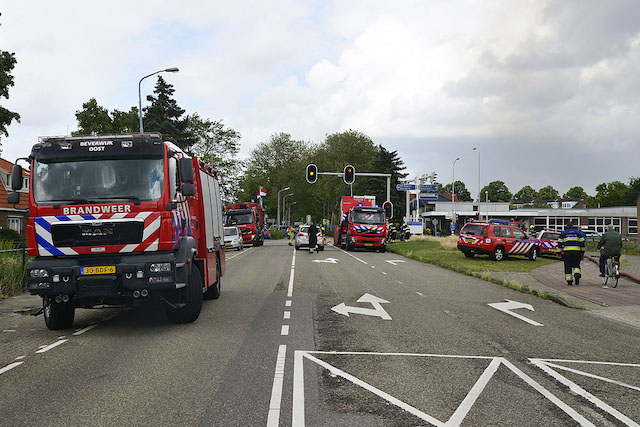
[(291, 232), (572, 244), (532, 231), (405, 231), (393, 232)]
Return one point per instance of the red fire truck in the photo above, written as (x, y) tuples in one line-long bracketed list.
[(118, 219), (362, 226), (249, 218)]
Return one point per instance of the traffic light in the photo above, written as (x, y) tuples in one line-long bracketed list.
[(388, 209), (349, 174), (433, 177), (312, 173)]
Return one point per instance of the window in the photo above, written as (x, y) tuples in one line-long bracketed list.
[(600, 224), (518, 234), (15, 223), (633, 225), (506, 232), (473, 229)]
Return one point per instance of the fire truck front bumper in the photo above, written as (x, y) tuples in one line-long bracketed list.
[(369, 242), (123, 276)]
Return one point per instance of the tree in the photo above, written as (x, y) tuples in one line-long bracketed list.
[(575, 193), (633, 192), (218, 146), (548, 193), (388, 162), (498, 192), (7, 63), (462, 194), (164, 116), (611, 194), (525, 195), (94, 119)]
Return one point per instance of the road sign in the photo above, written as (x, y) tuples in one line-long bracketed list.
[(405, 187), (435, 221), (428, 196), (431, 188), (509, 305), (453, 227)]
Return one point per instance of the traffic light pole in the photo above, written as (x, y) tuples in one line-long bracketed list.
[(384, 175)]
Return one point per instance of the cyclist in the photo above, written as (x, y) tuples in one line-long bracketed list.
[(572, 244), (610, 245)]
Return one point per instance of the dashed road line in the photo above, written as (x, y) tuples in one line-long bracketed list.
[(420, 293), (383, 272), (287, 303), (284, 330), (239, 253), (82, 331), (353, 256), (287, 315), (9, 330), (10, 366), (20, 357), (50, 346)]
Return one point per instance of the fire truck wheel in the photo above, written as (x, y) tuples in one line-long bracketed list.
[(214, 290), (533, 253), (498, 253), (191, 296), (58, 315), (383, 249)]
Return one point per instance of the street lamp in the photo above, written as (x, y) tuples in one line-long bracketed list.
[(284, 189), (167, 70), (289, 210), (453, 191), (284, 201)]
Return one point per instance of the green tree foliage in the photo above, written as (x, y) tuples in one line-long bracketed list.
[(218, 146), (525, 195), (462, 194), (498, 192), (611, 194), (165, 116), (7, 63), (94, 119), (633, 191), (388, 162), (548, 193), (575, 193)]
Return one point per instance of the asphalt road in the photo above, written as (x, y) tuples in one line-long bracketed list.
[(421, 347)]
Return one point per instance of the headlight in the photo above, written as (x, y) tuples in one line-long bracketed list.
[(39, 272), (161, 267)]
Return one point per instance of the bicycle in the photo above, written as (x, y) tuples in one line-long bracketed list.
[(611, 271)]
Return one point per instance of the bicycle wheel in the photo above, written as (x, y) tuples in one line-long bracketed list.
[(614, 277), (607, 271)]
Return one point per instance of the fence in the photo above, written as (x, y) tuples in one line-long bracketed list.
[(13, 262)]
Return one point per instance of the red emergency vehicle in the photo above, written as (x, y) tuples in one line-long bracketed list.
[(497, 240), (116, 219), (365, 227), (346, 204), (249, 218)]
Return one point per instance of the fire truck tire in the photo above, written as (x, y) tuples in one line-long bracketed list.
[(192, 298), (498, 253), (351, 246), (213, 292), (533, 253), (58, 315), (383, 249)]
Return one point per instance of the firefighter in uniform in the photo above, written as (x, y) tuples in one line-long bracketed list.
[(313, 237), (405, 232), (393, 232), (291, 232), (532, 231), (572, 244)]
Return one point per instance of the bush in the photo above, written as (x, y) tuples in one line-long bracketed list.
[(276, 234), (11, 270), (10, 235)]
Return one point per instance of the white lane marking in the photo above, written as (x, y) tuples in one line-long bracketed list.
[(82, 331), (394, 261), (353, 256), (10, 366), (284, 330), (383, 272), (509, 305), (597, 377), (377, 309), (329, 260), (287, 315), (50, 346), (474, 393), (420, 293), (273, 420), (293, 263), (399, 282), (287, 303), (239, 253), (106, 319), (9, 330), (373, 266), (62, 337), (297, 410), (20, 357)]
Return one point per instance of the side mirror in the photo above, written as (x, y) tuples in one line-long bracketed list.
[(16, 178), (186, 170), (188, 190), (13, 198)]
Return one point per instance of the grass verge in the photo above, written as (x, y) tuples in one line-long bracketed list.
[(11, 270)]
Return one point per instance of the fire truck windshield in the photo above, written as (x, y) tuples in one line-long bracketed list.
[(239, 219), (377, 218), (90, 181)]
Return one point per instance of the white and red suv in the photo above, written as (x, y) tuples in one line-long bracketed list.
[(496, 240)]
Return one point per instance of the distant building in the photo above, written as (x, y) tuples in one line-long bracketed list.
[(14, 218)]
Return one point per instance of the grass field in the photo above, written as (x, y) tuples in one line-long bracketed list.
[(11, 271), (443, 251)]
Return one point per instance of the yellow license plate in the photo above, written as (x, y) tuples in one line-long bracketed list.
[(227, 244), (103, 269), (368, 244)]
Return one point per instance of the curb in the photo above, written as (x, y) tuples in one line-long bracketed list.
[(622, 273)]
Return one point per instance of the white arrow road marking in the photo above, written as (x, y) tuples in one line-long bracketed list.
[(330, 260), (394, 261), (509, 305), (377, 311)]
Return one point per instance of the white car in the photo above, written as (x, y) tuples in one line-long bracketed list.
[(592, 235), (302, 238), (232, 238)]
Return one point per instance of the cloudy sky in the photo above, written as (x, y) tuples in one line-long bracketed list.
[(547, 90)]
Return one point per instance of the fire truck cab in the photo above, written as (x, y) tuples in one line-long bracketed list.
[(118, 219)]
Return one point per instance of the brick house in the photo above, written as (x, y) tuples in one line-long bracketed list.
[(14, 218)]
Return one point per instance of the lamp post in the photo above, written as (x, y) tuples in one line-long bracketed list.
[(453, 191), (167, 70), (284, 189), (289, 210), (284, 201), (479, 189)]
